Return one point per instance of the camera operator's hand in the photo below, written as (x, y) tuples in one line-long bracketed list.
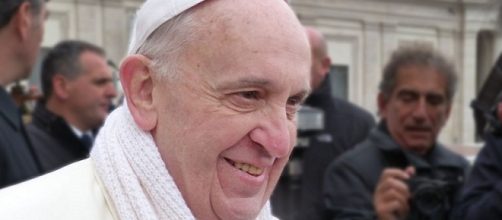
[(392, 194)]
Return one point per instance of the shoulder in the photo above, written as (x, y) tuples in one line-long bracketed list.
[(360, 153), (362, 159), (72, 192), (350, 107), (352, 112), (447, 158)]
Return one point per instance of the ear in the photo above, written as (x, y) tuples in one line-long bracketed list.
[(137, 80), (23, 20), (382, 104), (60, 87)]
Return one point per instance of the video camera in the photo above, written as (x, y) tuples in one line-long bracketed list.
[(486, 103)]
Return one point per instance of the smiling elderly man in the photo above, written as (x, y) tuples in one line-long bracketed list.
[(212, 89)]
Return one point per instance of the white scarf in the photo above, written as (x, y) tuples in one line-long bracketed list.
[(134, 175)]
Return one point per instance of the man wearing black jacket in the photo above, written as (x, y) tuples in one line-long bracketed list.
[(482, 193), (78, 88), (21, 31), (380, 178), (345, 125)]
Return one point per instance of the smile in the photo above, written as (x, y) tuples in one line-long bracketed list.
[(245, 167)]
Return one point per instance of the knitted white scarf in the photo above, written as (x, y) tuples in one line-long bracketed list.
[(129, 165)]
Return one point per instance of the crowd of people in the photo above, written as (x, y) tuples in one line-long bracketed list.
[(208, 122)]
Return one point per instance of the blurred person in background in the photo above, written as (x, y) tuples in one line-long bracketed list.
[(21, 31), (78, 88), (345, 125), (212, 89), (400, 171), (482, 193)]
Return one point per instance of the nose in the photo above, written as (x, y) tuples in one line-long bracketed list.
[(273, 134), (420, 110), (110, 91)]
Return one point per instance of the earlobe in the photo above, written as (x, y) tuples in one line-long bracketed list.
[(136, 78)]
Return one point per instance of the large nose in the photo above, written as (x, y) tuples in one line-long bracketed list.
[(420, 110), (110, 91), (273, 133)]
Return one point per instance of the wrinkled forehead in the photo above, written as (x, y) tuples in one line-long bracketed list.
[(259, 38)]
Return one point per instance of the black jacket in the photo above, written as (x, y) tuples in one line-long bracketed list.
[(482, 194), (351, 180), (17, 159), (346, 125), (53, 140)]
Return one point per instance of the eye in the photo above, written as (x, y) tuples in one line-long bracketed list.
[(435, 100), (407, 96), (293, 104), (246, 100), (102, 81), (295, 101), (249, 94)]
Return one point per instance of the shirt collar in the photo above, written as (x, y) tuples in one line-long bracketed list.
[(79, 132)]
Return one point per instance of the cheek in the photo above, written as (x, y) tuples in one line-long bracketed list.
[(439, 118), (292, 137)]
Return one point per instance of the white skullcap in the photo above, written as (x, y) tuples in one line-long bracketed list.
[(151, 15)]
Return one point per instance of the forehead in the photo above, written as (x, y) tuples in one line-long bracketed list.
[(420, 79), (94, 62), (270, 48)]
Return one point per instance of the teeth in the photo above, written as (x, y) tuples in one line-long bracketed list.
[(248, 168)]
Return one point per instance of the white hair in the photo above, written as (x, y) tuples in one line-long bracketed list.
[(165, 45)]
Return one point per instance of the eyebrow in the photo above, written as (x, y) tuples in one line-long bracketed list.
[(259, 82), (245, 82)]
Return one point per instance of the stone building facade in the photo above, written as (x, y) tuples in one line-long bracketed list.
[(361, 35), (102, 22)]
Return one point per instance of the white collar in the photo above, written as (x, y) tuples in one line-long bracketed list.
[(79, 132)]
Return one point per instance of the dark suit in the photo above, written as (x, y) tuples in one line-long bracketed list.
[(17, 159), (345, 126), (482, 193), (54, 141)]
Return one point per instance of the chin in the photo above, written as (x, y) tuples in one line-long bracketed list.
[(241, 213), (240, 209), (420, 148)]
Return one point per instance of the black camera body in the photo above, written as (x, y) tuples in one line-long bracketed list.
[(432, 198)]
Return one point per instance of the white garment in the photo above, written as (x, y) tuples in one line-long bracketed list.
[(134, 174), (73, 192)]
